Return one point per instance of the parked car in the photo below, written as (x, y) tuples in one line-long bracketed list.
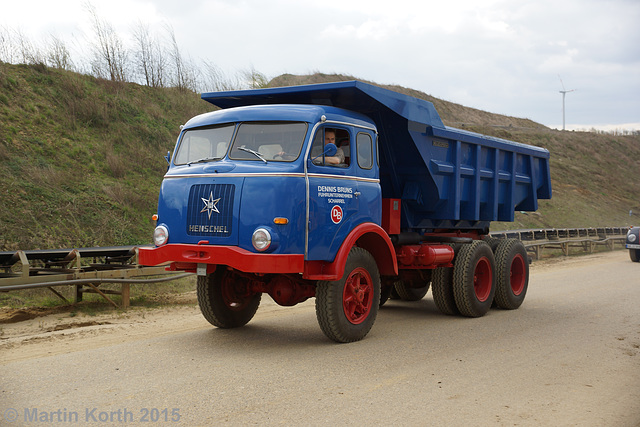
[(633, 243)]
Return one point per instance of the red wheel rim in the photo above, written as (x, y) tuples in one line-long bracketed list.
[(482, 279), (517, 275), (233, 299), (357, 297)]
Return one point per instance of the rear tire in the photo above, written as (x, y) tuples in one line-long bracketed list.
[(512, 274), (634, 254), (493, 242), (347, 308), (474, 279), (224, 300), (442, 291)]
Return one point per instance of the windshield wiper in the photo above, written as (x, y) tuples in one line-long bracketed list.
[(204, 159), (255, 153)]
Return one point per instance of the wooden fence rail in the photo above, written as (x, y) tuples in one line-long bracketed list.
[(85, 268)]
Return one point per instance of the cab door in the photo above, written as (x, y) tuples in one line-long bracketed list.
[(333, 203), (365, 165)]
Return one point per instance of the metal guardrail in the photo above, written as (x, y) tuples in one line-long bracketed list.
[(587, 239), (84, 268)]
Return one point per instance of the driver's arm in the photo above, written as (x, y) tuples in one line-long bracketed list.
[(338, 159)]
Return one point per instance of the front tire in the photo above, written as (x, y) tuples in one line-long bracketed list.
[(347, 308), (634, 254), (224, 299)]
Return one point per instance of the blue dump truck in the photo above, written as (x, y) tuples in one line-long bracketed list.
[(346, 192)]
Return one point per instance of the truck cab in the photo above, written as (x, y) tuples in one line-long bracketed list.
[(259, 179)]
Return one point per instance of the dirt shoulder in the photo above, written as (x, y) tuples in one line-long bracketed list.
[(38, 332)]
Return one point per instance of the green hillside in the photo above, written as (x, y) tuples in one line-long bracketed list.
[(81, 159)]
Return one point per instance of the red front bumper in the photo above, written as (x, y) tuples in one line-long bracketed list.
[(187, 257)]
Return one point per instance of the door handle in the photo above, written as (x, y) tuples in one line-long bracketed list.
[(357, 193)]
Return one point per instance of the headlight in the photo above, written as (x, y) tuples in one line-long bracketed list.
[(631, 238), (160, 235), (261, 239)]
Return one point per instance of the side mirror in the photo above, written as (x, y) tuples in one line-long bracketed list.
[(330, 150), (168, 157)]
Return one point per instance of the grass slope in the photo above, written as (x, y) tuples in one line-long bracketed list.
[(81, 159)]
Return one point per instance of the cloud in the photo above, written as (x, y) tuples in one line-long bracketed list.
[(500, 55)]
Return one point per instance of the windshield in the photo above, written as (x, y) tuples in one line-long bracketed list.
[(204, 144), (273, 141)]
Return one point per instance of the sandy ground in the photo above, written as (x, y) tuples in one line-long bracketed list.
[(37, 332), (569, 356)]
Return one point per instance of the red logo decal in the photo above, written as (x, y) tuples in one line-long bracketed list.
[(336, 214)]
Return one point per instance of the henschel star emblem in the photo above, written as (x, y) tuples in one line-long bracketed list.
[(210, 205)]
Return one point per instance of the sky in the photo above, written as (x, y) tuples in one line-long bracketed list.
[(509, 57)]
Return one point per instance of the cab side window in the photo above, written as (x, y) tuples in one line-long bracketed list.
[(337, 136), (364, 147)]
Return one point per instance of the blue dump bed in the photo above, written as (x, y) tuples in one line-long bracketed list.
[(446, 177)]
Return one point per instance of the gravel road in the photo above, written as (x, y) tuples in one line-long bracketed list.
[(569, 356)]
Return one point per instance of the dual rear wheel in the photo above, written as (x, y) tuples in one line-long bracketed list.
[(512, 271), (482, 276)]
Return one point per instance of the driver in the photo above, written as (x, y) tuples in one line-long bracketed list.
[(316, 151)]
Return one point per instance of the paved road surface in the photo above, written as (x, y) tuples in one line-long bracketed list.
[(569, 356)]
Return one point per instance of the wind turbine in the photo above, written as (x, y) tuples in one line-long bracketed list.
[(564, 93)]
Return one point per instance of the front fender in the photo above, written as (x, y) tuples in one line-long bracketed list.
[(368, 236)]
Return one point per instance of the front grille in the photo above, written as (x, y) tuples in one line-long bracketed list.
[(210, 211)]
